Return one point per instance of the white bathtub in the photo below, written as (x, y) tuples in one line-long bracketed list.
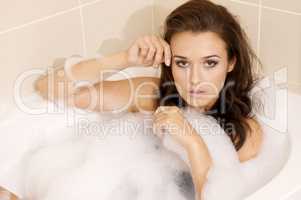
[(287, 184)]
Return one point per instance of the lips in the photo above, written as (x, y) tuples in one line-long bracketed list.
[(196, 91)]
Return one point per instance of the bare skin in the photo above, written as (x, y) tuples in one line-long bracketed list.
[(6, 195), (187, 55)]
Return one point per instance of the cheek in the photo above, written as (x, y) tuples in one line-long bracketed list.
[(216, 78), (180, 78), (213, 78)]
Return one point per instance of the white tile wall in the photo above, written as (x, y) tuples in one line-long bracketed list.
[(33, 33), (15, 12), (281, 43), (112, 25), (162, 9), (290, 5), (247, 16), (36, 46)]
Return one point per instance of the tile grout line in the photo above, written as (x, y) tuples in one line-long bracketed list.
[(245, 3), (267, 7), (48, 17), (259, 32), (38, 20), (153, 17), (294, 83), (93, 2), (83, 30), (282, 11)]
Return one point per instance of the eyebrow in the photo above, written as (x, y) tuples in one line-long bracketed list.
[(203, 57)]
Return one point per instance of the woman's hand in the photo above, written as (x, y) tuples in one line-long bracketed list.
[(149, 51), (170, 120)]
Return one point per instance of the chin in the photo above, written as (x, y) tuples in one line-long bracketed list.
[(199, 102)]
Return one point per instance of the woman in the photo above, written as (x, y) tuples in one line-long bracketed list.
[(206, 65)]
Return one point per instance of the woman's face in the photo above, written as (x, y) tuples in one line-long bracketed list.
[(199, 67)]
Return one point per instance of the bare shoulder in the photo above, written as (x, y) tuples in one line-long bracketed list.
[(253, 142)]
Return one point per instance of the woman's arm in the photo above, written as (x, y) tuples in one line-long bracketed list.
[(55, 84), (91, 69), (170, 120), (145, 51), (200, 163)]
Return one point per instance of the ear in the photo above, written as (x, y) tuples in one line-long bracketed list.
[(232, 64)]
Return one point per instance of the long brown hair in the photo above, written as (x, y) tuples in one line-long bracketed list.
[(234, 104)]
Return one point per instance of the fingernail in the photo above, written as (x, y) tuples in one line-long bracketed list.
[(168, 63)]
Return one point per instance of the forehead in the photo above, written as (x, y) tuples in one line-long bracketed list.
[(190, 44)]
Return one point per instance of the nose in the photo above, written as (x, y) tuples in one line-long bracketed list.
[(195, 75)]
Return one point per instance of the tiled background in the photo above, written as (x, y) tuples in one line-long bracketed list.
[(35, 32)]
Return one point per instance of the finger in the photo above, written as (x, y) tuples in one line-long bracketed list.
[(158, 132), (164, 127), (134, 52), (160, 117), (160, 127), (143, 46), (163, 109), (158, 114), (172, 109), (160, 122), (151, 50), (159, 110), (167, 51), (159, 50)]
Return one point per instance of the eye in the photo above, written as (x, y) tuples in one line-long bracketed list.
[(182, 63), (210, 63)]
